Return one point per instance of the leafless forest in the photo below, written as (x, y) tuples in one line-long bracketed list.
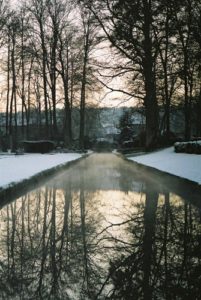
[(54, 56)]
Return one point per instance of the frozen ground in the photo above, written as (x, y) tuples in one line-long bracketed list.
[(180, 164), (15, 168)]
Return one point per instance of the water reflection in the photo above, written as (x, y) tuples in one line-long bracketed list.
[(101, 230)]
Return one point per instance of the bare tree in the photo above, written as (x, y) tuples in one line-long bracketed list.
[(89, 31), (129, 28), (38, 8)]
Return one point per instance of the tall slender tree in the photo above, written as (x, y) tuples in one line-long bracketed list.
[(38, 9)]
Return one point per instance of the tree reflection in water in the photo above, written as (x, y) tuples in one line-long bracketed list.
[(125, 240)]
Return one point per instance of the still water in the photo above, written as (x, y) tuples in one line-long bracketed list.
[(103, 229)]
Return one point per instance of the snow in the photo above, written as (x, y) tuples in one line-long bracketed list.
[(16, 168), (184, 165), (191, 142)]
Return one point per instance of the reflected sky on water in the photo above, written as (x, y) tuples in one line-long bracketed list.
[(104, 229)]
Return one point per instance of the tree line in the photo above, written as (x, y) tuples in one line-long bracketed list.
[(160, 42), (46, 53), (47, 60)]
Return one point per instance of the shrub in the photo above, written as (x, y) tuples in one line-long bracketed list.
[(188, 147)]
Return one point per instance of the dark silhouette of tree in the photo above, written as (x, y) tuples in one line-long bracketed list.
[(89, 40), (129, 27), (38, 9)]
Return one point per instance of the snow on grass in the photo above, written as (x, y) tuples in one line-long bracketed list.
[(15, 168), (184, 165)]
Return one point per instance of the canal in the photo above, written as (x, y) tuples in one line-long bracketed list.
[(105, 228)]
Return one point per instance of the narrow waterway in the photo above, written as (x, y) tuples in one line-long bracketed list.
[(104, 229)]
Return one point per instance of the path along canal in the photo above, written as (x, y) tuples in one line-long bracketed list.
[(105, 228)]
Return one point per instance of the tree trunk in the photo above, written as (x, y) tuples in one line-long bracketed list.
[(13, 96), (28, 107), (23, 78), (199, 115), (165, 64), (83, 89), (44, 60), (67, 107), (186, 97), (151, 106), (8, 88), (67, 122), (53, 85)]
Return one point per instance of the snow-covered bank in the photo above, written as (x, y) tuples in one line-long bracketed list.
[(187, 166), (16, 168)]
